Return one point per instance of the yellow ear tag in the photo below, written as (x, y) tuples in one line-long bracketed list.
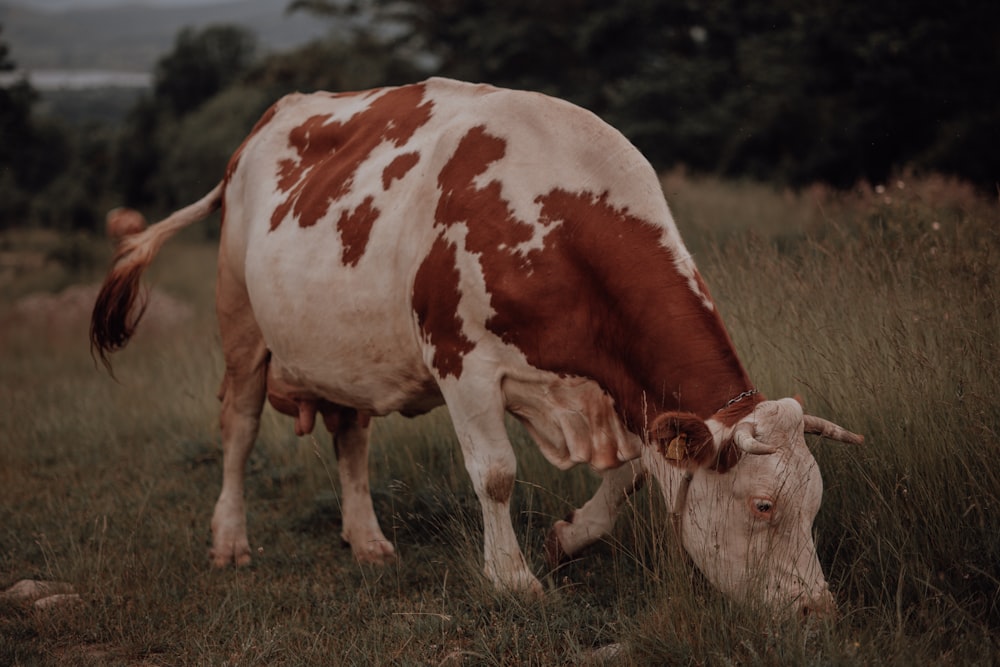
[(677, 448)]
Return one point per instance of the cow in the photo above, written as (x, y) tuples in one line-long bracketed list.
[(395, 249)]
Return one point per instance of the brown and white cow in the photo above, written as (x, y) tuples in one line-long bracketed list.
[(492, 250)]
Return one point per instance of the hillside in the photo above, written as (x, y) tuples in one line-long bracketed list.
[(133, 38)]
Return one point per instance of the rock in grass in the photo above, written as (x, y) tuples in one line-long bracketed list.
[(604, 654), (43, 595), (29, 590), (58, 600)]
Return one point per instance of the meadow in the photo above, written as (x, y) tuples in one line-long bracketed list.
[(879, 307)]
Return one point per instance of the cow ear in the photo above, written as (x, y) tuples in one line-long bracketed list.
[(682, 438)]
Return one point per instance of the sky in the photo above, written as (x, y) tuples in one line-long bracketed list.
[(125, 37), (56, 5)]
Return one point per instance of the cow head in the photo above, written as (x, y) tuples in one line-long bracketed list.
[(743, 499)]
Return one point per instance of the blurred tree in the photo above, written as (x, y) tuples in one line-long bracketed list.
[(786, 89), (202, 63), (207, 95), (138, 152), (519, 42), (32, 152), (80, 195), (6, 64), (197, 148), (356, 62)]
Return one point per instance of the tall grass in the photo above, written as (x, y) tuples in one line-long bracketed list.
[(884, 317), (878, 307)]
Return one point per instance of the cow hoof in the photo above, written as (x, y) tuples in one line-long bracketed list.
[(375, 552), (531, 589), (238, 555), (520, 584)]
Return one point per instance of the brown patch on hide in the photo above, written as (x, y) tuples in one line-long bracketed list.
[(330, 153), (436, 296), (499, 485), (355, 227), (399, 167)]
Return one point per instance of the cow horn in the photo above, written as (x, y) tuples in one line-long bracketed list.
[(743, 437), (828, 429)]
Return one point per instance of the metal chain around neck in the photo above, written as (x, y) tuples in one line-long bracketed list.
[(739, 397)]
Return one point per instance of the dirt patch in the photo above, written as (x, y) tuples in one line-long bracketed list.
[(19, 262)]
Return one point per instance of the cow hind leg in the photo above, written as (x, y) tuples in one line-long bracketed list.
[(351, 432), (478, 417), (242, 395)]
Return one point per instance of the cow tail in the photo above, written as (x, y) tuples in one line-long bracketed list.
[(121, 303)]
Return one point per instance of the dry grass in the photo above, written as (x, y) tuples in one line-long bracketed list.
[(881, 312)]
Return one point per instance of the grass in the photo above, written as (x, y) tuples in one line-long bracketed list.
[(879, 307)]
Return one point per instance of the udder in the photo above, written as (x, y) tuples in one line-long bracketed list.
[(303, 405)]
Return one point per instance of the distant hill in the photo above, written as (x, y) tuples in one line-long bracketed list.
[(133, 38), (59, 5)]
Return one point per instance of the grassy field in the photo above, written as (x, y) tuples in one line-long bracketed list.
[(880, 307)]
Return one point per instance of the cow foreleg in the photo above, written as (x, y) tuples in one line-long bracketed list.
[(350, 432), (490, 461), (597, 517)]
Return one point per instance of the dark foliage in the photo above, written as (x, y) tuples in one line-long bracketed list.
[(785, 90), (201, 64), (32, 152)]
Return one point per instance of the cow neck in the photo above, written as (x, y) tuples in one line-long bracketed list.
[(646, 332), (661, 342), (697, 369), (676, 354), (589, 289)]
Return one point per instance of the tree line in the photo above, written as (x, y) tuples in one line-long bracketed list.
[(786, 91)]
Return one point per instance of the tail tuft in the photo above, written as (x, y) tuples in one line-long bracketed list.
[(121, 302), (121, 222), (120, 305)]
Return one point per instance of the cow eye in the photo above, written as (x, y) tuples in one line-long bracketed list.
[(762, 507)]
